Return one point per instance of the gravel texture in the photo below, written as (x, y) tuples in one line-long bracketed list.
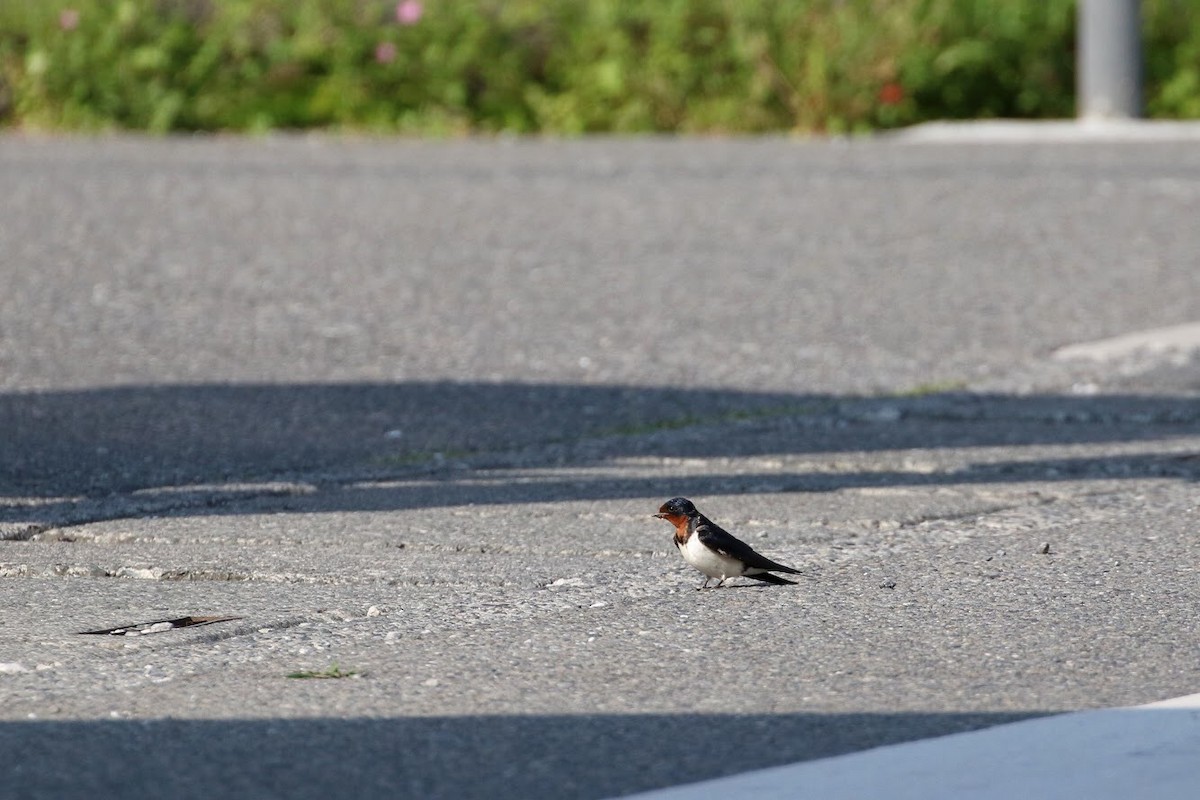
[(405, 409)]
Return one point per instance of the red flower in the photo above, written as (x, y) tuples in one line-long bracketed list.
[(891, 93)]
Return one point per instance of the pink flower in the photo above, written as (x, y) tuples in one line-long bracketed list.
[(408, 12), (385, 52), (68, 19)]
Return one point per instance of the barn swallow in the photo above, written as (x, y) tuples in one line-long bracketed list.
[(714, 551)]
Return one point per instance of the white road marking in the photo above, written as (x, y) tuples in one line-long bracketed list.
[(1150, 752), (1183, 339)]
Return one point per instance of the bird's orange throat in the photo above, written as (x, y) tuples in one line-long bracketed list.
[(680, 521)]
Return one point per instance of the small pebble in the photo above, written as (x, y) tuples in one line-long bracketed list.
[(888, 584), (1044, 548), (567, 582)]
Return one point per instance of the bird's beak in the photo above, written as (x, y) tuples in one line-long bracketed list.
[(659, 515)]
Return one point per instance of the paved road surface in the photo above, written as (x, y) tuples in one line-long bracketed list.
[(405, 409)]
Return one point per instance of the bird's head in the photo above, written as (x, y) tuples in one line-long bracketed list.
[(677, 507)]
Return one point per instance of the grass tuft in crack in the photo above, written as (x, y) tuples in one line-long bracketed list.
[(334, 671)]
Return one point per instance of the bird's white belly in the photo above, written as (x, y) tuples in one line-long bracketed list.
[(710, 562)]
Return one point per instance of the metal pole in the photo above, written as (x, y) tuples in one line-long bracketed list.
[(1109, 62)]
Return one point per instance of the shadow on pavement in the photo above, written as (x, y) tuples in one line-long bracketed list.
[(102, 441), (552, 756)]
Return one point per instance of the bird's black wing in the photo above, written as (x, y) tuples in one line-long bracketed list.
[(717, 538), (771, 577)]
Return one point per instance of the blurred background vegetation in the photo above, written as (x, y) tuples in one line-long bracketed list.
[(446, 67)]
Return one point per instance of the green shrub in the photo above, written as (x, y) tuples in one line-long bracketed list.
[(559, 66)]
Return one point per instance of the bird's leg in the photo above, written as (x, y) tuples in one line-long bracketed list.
[(720, 583), (703, 585)]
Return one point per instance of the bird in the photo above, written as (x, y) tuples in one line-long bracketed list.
[(715, 551)]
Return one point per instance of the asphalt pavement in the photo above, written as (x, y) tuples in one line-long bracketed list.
[(402, 410)]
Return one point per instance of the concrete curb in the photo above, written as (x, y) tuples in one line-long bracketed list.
[(1048, 131)]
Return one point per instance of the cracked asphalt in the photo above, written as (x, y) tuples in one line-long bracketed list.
[(405, 408)]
